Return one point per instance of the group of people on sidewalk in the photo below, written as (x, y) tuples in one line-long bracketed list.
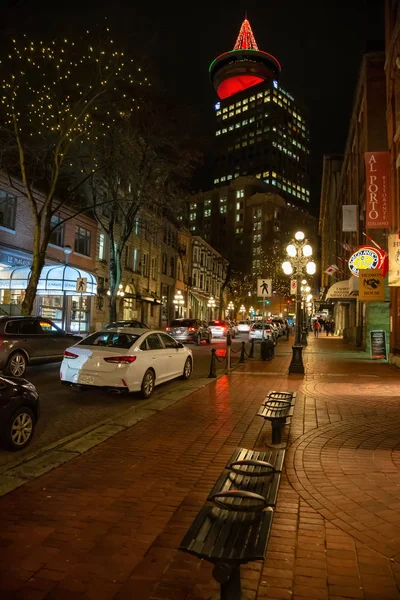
[(327, 325)]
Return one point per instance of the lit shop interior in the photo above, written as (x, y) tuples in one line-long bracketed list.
[(64, 295)]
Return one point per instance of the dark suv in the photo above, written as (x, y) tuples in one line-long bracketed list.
[(30, 340), (131, 323), (190, 330)]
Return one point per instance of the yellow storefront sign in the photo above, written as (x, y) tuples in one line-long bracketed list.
[(371, 288)]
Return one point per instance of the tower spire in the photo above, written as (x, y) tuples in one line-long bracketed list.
[(245, 39)]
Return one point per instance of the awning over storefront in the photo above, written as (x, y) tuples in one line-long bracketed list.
[(54, 280), (339, 291)]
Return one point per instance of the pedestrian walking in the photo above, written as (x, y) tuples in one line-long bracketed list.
[(316, 328)]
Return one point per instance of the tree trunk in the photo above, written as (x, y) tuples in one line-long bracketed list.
[(115, 279), (113, 309), (38, 260)]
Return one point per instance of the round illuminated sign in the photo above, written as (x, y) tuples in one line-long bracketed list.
[(366, 257)]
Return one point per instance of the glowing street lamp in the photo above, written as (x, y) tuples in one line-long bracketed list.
[(299, 251), (211, 306), (179, 301)]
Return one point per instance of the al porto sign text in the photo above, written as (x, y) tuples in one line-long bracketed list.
[(377, 168)]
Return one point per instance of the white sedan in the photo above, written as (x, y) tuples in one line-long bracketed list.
[(135, 360), (243, 327)]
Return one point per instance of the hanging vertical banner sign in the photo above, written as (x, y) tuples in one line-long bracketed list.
[(293, 287), (394, 260), (350, 221), (371, 286), (377, 169)]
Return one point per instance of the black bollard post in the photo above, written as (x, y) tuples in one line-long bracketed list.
[(251, 354), (241, 359), (263, 350), (212, 364)]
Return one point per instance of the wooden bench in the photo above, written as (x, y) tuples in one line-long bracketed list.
[(278, 408), (248, 470), (228, 539)]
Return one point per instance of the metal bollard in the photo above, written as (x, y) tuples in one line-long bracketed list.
[(263, 350), (212, 364), (251, 354), (228, 359), (241, 359)]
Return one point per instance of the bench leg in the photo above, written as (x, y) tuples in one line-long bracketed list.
[(229, 578), (276, 432)]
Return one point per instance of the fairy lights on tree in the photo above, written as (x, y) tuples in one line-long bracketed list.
[(246, 39), (55, 98)]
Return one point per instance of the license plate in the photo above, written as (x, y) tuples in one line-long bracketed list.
[(86, 379), (178, 331)]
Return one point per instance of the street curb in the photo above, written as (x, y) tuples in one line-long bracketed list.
[(58, 453)]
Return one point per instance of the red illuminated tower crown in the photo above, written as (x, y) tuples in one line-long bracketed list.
[(244, 66)]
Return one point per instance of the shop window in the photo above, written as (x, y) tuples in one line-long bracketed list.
[(82, 241), (57, 235), (8, 207)]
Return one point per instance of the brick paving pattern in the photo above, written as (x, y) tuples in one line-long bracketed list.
[(107, 524)]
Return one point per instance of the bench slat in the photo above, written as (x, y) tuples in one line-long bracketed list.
[(274, 457), (266, 486), (228, 536)]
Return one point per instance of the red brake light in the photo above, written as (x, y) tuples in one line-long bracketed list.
[(168, 329), (125, 360), (191, 328), (68, 354), (216, 322)]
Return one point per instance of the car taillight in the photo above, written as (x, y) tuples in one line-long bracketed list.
[(191, 328), (168, 329), (68, 354), (125, 360)]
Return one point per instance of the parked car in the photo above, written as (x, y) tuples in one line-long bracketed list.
[(220, 329), (243, 327), (190, 330), (31, 340), (19, 412), (133, 360), (256, 332), (130, 323)]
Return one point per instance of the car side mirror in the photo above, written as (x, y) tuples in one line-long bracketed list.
[(179, 345)]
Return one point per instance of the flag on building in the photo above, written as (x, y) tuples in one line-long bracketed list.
[(331, 269)]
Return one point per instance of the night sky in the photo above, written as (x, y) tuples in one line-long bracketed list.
[(319, 45)]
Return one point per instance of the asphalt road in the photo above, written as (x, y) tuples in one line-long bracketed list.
[(65, 412)]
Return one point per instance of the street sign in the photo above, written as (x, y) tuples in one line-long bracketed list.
[(81, 285), (264, 288)]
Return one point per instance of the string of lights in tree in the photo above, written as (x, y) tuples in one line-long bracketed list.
[(246, 39), (58, 91)]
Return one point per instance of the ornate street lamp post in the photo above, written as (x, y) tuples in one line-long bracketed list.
[(211, 306), (242, 310), (230, 308), (178, 301), (299, 252)]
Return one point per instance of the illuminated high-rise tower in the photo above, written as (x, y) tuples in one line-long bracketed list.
[(259, 191), (260, 129)]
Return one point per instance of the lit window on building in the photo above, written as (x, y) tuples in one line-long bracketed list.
[(240, 193), (193, 206), (218, 132), (193, 228), (225, 109), (192, 216), (223, 178), (216, 180), (224, 130), (218, 113), (207, 212), (238, 103), (229, 177)]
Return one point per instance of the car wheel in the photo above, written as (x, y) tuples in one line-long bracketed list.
[(148, 382), (209, 338), (20, 429), (17, 364), (198, 341), (187, 369)]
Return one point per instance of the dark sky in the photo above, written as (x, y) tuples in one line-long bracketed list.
[(319, 45)]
